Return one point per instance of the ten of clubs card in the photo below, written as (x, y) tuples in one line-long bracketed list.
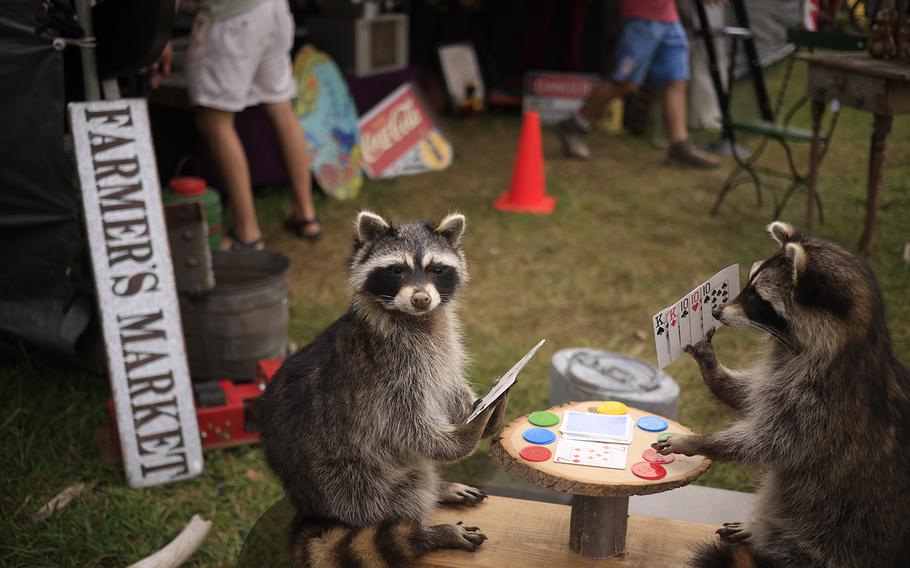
[(688, 320)]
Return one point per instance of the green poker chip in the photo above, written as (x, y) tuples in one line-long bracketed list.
[(666, 436), (543, 418)]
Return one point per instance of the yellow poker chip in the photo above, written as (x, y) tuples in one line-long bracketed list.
[(612, 407)]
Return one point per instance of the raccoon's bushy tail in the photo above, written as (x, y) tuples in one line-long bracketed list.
[(322, 543), (728, 555)]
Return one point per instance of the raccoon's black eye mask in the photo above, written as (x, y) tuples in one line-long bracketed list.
[(760, 311)]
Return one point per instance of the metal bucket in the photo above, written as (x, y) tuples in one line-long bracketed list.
[(244, 318), (578, 374)]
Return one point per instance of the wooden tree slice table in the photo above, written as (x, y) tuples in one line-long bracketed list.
[(600, 503)]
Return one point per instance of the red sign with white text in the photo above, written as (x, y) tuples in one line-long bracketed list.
[(398, 136)]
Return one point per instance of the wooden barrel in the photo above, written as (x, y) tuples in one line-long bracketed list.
[(244, 318)]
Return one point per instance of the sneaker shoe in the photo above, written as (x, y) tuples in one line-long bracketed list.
[(686, 152), (572, 136)]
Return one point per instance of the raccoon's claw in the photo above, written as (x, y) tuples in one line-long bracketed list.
[(461, 494), (703, 353), (675, 445), (734, 532), (460, 536), (662, 447)]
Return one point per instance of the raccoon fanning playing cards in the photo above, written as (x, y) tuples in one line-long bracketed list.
[(826, 412), (355, 422)]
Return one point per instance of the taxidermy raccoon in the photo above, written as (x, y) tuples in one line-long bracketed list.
[(826, 412), (355, 422)]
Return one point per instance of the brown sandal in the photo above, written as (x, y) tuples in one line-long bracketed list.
[(299, 227)]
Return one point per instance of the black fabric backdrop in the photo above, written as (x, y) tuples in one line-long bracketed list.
[(44, 300)]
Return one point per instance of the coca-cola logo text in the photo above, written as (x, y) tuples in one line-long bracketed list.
[(402, 119)]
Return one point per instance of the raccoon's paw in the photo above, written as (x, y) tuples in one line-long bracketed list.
[(734, 532), (676, 445), (457, 536), (703, 352), (461, 494)]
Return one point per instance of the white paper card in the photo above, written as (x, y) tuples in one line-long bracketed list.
[(594, 454), (504, 382), (689, 320), (597, 427)]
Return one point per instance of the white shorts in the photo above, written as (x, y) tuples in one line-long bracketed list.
[(242, 61)]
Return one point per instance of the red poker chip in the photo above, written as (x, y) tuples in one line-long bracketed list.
[(535, 453), (649, 471), (652, 456)]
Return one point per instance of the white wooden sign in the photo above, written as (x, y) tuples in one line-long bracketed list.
[(134, 280)]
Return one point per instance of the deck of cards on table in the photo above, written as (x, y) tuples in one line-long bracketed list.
[(688, 321)]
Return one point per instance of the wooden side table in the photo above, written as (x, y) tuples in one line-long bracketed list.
[(600, 503), (859, 81)]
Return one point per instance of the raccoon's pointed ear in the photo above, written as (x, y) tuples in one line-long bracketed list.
[(797, 255), (452, 228), (370, 226), (782, 232)]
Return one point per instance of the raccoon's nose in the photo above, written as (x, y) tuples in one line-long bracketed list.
[(420, 300), (716, 311)]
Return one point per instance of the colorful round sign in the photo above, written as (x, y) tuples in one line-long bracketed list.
[(612, 407), (543, 418), (539, 436), (653, 456), (535, 453), (649, 471), (652, 423)]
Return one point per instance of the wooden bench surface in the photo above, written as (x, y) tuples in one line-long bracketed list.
[(527, 534)]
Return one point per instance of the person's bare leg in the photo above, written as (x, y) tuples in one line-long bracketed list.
[(217, 127), (675, 112), (675, 117), (293, 149)]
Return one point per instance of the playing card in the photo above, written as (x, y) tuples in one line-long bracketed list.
[(597, 427), (685, 316), (688, 321), (661, 338), (696, 330), (673, 322), (504, 382), (717, 291), (595, 454)]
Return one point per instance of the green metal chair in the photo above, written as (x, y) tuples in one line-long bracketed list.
[(780, 129)]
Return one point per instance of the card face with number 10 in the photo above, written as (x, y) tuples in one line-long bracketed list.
[(688, 321)]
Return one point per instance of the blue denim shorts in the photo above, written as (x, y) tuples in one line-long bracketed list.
[(658, 50)]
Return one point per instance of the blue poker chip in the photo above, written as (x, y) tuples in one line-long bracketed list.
[(652, 423), (539, 436)]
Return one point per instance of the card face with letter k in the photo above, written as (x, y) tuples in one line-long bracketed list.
[(690, 319)]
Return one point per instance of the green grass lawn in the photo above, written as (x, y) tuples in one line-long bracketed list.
[(629, 235)]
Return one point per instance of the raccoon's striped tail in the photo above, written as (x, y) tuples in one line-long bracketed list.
[(724, 554), (322, 543)]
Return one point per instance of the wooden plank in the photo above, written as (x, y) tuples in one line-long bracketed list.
[(524, 534), (594, 481), (859, 63)]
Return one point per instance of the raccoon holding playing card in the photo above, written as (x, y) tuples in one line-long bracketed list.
[(355, 422), (826, 412)]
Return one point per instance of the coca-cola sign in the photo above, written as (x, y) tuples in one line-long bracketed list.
[(398, 136)]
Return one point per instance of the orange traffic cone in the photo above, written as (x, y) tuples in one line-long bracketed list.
[(528, 193)]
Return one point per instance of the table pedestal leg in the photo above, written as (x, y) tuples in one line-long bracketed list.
[(598, 525), (876, 158), (818, 109)]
